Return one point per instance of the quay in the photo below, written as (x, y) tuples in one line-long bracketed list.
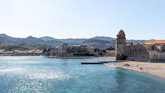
[(102, 62)]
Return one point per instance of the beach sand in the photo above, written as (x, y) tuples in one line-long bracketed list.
[(152, 68)]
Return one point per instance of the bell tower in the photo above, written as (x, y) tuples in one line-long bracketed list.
[(120, 45)]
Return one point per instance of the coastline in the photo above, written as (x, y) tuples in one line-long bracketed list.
[(157, 69), (83, 57)]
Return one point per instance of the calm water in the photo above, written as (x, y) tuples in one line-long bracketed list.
[(44, 75)]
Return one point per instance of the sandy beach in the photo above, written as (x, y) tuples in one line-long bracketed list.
[(152, 68)]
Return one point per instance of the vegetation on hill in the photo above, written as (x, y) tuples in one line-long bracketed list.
[(99, 42)]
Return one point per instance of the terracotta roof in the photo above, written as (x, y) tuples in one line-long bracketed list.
[(153, 42), (111, 51)]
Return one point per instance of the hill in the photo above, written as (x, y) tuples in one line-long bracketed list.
[(100, 42), (47, 38), (103, 38)]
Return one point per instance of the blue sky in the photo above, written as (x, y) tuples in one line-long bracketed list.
[(140, 19)]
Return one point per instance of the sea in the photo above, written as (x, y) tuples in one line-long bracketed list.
[(29, 74)]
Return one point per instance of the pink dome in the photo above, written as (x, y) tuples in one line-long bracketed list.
[(121, 32)]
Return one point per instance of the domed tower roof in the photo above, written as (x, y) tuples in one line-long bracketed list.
[(121, 34)]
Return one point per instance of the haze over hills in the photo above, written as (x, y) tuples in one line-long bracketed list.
[(101, 42), (98, 43)]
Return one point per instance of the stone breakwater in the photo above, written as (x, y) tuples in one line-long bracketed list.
[(82, 57)]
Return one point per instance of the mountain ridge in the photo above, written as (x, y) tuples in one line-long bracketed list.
[(101, 42)]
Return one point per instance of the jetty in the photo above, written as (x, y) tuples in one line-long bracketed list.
[(100, 62)]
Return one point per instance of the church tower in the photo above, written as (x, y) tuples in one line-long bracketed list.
[(120, 45)]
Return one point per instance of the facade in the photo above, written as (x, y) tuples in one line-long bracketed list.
[(35, 52), (73, 51), (149, 51)]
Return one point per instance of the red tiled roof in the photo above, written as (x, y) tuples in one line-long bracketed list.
[(153, 42), (111, 51)]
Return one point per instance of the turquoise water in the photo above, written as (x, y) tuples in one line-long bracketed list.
[(47, 75)]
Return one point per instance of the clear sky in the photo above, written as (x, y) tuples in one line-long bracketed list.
[(140, 19)]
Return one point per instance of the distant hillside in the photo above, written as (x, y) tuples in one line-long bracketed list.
[(6, 41), (23, 47), (9, 37), (53, 43), (101, 44), (103, 38), (47, 38), (79, 40), (31, 40), (137, 41), (70, 40)]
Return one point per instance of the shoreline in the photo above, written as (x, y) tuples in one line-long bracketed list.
[(83, 57), (62, 57), (157, 69)]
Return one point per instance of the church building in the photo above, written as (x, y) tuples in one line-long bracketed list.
[(148, 51)]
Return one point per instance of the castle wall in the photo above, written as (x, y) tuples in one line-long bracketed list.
[(155, 56), (137, 52), (153, 51), (163, 56)]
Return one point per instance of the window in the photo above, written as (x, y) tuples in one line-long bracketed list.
[(155, 56)]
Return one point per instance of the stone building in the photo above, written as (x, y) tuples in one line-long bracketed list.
[(73, 51), (148, 51)]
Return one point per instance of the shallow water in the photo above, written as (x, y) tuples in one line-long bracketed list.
[(48, 75)]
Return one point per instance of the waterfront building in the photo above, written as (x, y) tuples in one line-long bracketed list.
[(74, 51), (148, 51)]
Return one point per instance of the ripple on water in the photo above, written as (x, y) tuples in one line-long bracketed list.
[(43, 75)]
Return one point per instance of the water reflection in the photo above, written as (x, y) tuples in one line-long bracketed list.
[(39, 74)]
